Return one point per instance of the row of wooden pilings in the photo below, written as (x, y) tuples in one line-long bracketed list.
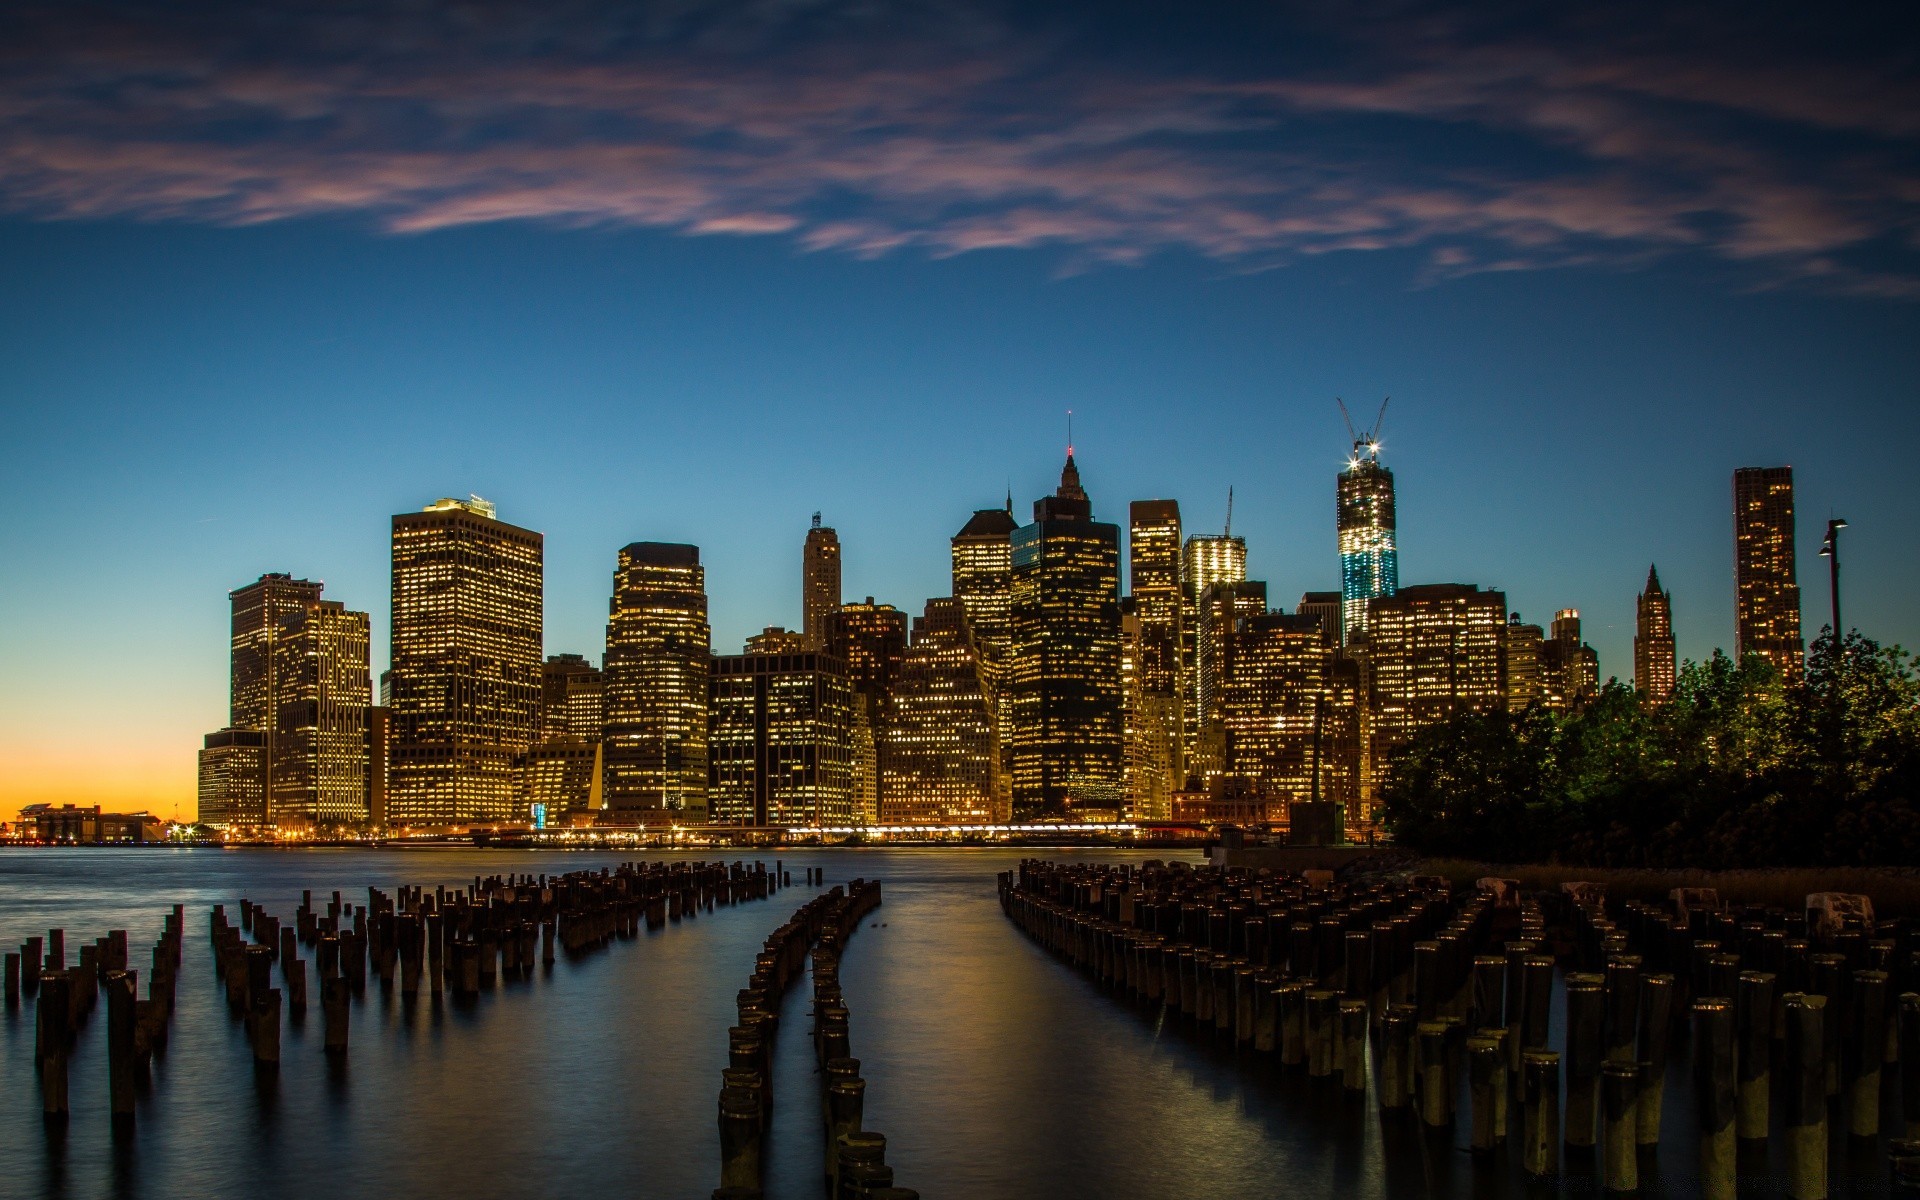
[(66, 996), (458, 941), (1434, 991), (855, 1157)]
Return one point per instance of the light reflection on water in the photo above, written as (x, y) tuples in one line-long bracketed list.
[(995, 1070)]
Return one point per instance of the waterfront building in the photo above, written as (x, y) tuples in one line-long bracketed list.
[(233, 779), (564, 777), (467, 627), (871, 639), (1434, 652), (262, 614), (659, 656), (1654, 672), (982, 554), (319, 751), (780, 727), (1068, 711), (572, 694), (1766, 593), (1289, 711), (940, 757), (819, 582), (1365, 523)]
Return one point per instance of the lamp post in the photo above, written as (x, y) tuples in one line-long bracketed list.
[(1830, 550)]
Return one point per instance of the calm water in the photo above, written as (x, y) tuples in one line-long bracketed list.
[(994, 1070)]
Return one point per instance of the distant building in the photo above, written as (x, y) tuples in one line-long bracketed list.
[(1152, 724), (778, 639), (572, 691), (778, 741), (67, 823), (819, 582), (1525, 650), (1434, 652), (1325, 608), (983, 584), (939, 751), (563, 780), (1228, 800), (1217, 617), (659, 657), (871, 639), (467, 629), (1290, 712), (1366, 524), (1154, 592), (1654, 673), (1766, 594), (1570, 667), (1068, 712), (233, 779)]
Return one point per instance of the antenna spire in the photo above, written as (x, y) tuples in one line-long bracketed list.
[(1229, 532), (1069, 433)]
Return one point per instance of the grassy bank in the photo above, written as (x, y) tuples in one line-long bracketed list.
[(1895, 891)]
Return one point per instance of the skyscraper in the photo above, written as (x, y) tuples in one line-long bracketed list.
[(467, 627), (871, 639), (659, 655), (1068, 711), (1221, 610), (1653, 657), (1289, 711), (779, 739), (264, 613), (319, 748), (1569, 667), (1153, 560), (571, 698), (983, 578), (1325, 608), (1152, 726), (1766, 596), (1206, 560), (233, 779), (940, 758), (819, 582), (1364, 516), (1435, 651), (1524, 648)]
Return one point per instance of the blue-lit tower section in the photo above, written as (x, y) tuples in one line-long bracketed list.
[(1369, 562)]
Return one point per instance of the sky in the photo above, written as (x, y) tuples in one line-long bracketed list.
[(694, 271)]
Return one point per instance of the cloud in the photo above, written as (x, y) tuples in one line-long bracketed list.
[(947, 129)]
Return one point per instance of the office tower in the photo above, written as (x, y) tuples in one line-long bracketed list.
[(467, 624), (1570, 667), (233, 779), (1653, 658), (1766, 598), (1068, 713), (1435, 651), (659, 655), (940, 759), (1369, 558), (1325, 608), (819, 582), (1217, 616), (1524, 649), (263, 613), (780, 727), (1152, 724), (983, 584), (1289, 712), (1206, 560), (379, 759), (572, 690), (1153, 560), (319, 749), (778, 639), (564, 778), (871, 639)]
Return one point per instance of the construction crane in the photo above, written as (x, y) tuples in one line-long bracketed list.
[(1367, 444)]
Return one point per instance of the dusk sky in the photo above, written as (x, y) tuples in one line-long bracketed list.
[(691, 271)]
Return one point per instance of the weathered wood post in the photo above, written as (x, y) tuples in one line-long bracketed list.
[(335, 996), (739, 1138), (1583, 1056), (1656, 1018), (120, 997), (1866, 1051), (1910, 1061), (1436, 1084), (1755, 1020), (55, 1030), (1540, 1113), (1353, 1016), (1806, 1096), (1619, 1094), (1714, 1095), (1487, 1083), (1396, 1057)]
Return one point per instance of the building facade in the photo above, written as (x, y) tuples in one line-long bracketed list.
[(659, 656), (1434, 651), (1766, 587), (819, 582), (1654, 670), (1290, 712), (572, 695), (1570, 667), (1206, 560), (1153, 724), (1067, 708), (940, 757), (871, 639), (1366, 524), (233, 779), (467, 630), (779, 735), (320, 756)]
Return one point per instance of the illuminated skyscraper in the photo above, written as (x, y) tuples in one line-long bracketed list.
[(1766, 596), (1524, 647), (778, 639), (1570, 667), (1435, 651), (467, 626), (871, 639), (1369, 559), (1153, 554), (659, 655), (1653, 654), (1152, 729), (1289, 711), (264, 612), (1325, 608), (983, 578), (1221, 610), (233, 779), (819, 582), (940, 758), (1206, 560), (319, 767), (571, 694), (780, 728), (1068, 711)]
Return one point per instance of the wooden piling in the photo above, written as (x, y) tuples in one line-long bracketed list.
[(1584, 1054), (1436, 1083), (335, 996), (1910, 1062), (1805, 1096), (740, 1135), (1395, 1090), (1620, 1125), (1754, 1016), (120, 1030), (1866, 1050), (55, 1031), (1656, 1025), (1714, 1094), (1540, 1113), (1487, 1090), (1353, 1045)]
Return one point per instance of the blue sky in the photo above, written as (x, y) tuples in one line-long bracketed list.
[(698, 280)]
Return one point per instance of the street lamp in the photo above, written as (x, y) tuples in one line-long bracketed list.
[(1830, 550)]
